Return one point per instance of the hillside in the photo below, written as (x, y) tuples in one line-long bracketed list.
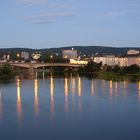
[(87, 50)]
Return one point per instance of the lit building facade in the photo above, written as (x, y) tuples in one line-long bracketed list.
[(121, 61), (6, 56), (84, 62), (109, 60), (133, 52), (70, 54), (25, 55)]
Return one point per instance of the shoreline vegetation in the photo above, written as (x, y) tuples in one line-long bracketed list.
[(115, 73), (6, 72), (91, 70)]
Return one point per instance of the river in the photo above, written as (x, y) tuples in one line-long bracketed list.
[(69, 108)]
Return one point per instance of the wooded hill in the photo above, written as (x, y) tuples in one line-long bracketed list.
[(82, 50)]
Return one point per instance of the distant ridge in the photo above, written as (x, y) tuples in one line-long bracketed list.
[(87, 50)]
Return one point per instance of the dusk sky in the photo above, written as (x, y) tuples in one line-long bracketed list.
[(60, 23)]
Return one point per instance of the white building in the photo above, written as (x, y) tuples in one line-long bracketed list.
[(25, 55), (109, 60), (133, 60), (71, 54), (133, 52), (84, 62), (6, 56), (121, 61)]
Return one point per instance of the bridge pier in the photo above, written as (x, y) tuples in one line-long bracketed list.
[(43, 75), (31, 72), (36, 74), (31, 68)]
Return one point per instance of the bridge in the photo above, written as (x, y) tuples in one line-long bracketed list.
[(42, 65), (32, 67)]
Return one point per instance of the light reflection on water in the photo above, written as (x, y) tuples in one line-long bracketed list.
[(110, 89), (124, 87), (79, 87), (36, 100), (66, 94), (1, 107), (116, 88), (19, 104), (72, 85), (52, 104), (69, 103), (92, 87), (139, 90)]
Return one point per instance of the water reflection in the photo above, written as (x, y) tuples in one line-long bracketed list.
[(110, 88), (79, 87), (36, 101), (96, 113), (66, 94), (72, 85), (52, 95), (79, 105), (79, 93), (116, 88), (66, 87), (139, 85), (139, 90), (19, 104), (124, 84), (92, 87), (1, 107), (124, 87), (103, 84)]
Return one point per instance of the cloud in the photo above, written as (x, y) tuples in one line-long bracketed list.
[(59, 5), (112, 14), (25, 2), (48, 18), (42, 21), (104, 31), (121, 10), (31, 2), (58, 10)]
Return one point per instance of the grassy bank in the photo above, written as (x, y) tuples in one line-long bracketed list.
[(118, 77)]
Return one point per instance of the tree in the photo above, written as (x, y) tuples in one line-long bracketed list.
[(6, 72), (131, 69), (92, 67), (116, 68)]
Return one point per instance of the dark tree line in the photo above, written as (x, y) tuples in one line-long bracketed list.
[(132, 69), (6, 72), (91, 67)]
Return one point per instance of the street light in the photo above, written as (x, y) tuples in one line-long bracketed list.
[(51, 58), (18, 55), (66, 59)]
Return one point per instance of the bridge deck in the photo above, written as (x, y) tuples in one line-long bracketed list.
[(38, 65)]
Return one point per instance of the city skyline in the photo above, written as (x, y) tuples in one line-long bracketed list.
[(60, 23)]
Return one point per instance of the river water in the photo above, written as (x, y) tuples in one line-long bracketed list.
[(69, 108)]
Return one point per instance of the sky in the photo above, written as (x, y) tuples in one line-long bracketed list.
[(59, 23)]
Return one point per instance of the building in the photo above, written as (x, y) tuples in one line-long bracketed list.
[(115, 60), (133, 52), (36, 55), (70, 54), (6, 56), (84, 62), (109, 60), (133, 60), (25, 55)]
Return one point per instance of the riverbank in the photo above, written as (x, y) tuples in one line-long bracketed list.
[(118, 77), (106, 75), (91, 70)]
